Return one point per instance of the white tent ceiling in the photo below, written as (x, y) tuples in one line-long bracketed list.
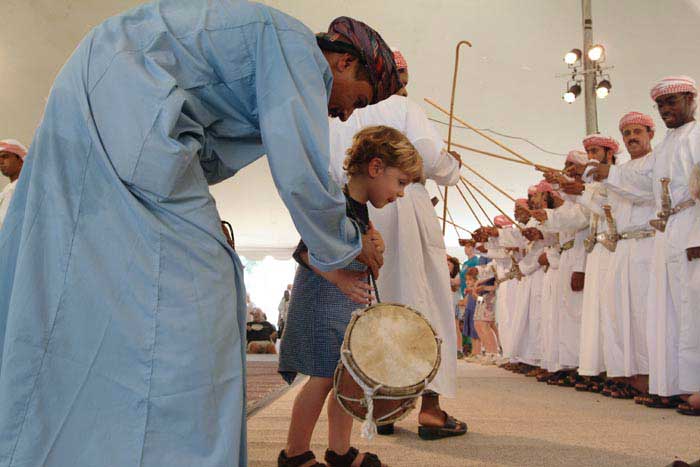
[(507, 80)]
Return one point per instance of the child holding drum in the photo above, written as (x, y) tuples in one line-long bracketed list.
[(379, 165)]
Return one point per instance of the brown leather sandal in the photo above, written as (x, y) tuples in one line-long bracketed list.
[(297, 461), (336, 460)]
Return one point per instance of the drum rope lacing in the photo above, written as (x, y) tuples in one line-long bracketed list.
[(369, 427)]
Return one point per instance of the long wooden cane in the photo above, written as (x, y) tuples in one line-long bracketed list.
[(491, 201), (451, 114), (486, 214), (469, 206), (447, 211), (456, 226), (540, 167), (476, 130)]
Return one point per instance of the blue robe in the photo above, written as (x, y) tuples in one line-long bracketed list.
[(122, 308)]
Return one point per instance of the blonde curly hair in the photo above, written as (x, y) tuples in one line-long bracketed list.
[(389, 145)]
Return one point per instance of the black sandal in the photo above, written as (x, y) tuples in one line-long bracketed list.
[(583, 384), (543, 376), (624, 391), (451, 427), (597, 384), (657, 402), (570, 381), (608, 388), (687, 409), (642, 398), (336, 460), (296, 461)]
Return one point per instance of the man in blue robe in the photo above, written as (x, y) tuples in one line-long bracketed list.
[(122, 307)]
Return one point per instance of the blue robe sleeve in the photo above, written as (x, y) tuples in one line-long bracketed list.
[(292, 85)]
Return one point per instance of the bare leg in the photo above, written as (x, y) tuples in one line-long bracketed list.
[(307, 408), (494, 328), (487, 336), (339, 427), (459, 335), (640, 383), (430, 412), (476, 346)]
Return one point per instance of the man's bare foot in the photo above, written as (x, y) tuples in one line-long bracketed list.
[(694, 400), (432, 418)]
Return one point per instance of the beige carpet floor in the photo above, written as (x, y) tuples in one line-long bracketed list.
[(513, 421)]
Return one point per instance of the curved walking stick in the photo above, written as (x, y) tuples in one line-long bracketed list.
[(449, 128), (228, 232)]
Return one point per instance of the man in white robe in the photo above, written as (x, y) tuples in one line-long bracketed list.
[(674, 323), (543, 292), (512, 241), (626, 349), (502, 262), (529, 331), (572, 226), (521, 321), (591, 353), (12, 154), (414, 271)]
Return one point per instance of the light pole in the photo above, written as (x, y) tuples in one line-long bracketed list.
[(590, 79)]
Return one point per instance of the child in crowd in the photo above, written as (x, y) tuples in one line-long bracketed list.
[(379, 165), (469, 328), (454, 267), (484, 314)]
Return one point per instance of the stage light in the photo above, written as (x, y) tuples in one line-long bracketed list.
[(572, 93), (596, 52), (572, 56), (603, 89)]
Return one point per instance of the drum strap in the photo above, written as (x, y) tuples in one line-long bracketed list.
[(373, 282)]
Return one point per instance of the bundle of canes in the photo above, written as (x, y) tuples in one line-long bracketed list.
[(539, 167), (451, 221), (521, 159), (493, 203), (467, 184)]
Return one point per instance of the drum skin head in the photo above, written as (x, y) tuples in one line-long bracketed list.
[(393, 345)]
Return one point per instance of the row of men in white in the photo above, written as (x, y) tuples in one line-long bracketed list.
[(638, 312)]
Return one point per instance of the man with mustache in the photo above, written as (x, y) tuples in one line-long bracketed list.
[(600, 150), (674, 323), (625, 331), (122, 306)]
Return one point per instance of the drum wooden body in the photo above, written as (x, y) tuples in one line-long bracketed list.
[(391, 352)]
